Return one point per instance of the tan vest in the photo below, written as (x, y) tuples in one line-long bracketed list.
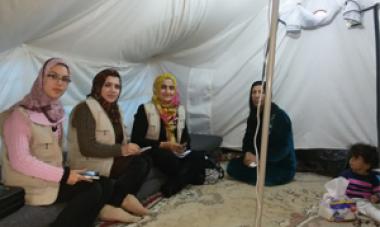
[(104, 134), (154, 122), (45, 147)]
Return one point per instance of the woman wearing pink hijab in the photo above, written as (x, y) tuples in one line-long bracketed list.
[(32, 155)]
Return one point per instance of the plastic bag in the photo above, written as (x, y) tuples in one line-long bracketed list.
[(335, 205)]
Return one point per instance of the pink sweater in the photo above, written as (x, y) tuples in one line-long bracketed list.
[(17, 135)]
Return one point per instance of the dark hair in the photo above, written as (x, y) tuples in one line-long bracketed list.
[(111, 109), (256, 83), (367, 152), (100, 79)]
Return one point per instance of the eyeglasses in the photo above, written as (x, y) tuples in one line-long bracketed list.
[(56, 77)]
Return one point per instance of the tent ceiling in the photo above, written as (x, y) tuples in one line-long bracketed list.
[(324, 77)]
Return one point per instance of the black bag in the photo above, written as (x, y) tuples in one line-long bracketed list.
[(11, 199), (213, 171)]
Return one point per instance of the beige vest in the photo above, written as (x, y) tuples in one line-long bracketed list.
[(104, 134), (45, 147), (154, 122)]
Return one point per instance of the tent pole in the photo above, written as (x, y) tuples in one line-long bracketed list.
[(267, 109), (377, 48)]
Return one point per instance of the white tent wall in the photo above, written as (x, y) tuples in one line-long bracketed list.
[(324, 78)]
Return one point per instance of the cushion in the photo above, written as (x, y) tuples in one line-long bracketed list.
[(32, 216)]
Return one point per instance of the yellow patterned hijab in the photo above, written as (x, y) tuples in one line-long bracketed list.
[(168, 111)]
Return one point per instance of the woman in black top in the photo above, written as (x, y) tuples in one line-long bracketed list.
[(170, 145)]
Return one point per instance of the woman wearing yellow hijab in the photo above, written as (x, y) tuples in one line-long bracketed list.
[(160, 124), (166, 100)]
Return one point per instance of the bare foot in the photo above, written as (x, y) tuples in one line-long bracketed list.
[(133, 205), (110, 213)]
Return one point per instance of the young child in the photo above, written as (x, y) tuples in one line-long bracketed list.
[(364, 186)]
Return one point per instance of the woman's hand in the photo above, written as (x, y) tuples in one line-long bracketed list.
[(176, 148), (249, 158), (130, 149), (75, 176)]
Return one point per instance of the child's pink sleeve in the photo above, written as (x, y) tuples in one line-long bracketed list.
[(17, 137)]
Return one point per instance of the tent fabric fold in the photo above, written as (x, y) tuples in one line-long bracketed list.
[(324, 78)]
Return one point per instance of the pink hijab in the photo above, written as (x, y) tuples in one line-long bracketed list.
[(38, 101)]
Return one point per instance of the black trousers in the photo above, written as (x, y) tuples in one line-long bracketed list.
[(84, 201), (129, 174), (180, 171)]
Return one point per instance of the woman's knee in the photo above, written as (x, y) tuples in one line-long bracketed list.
[(106, 186), (100, 190), (141, 165), (278, 176), (236, 169), (234, 165), (197, 155)]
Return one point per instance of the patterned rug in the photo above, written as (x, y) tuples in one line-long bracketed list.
[(233, 204)]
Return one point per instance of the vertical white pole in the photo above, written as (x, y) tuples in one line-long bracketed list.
[(267, 109)]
